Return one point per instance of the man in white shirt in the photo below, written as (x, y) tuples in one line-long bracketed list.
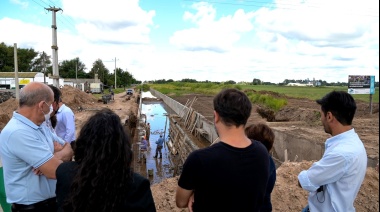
[(65, 123), (334, 181)]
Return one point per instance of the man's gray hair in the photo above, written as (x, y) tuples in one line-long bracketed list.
[(30, 97)]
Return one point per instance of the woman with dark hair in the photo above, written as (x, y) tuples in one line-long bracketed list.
[(100, 178)]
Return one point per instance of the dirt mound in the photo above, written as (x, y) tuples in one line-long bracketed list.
[(308, 111), (164, 195), (76, 99), (6, 109), (286, 195), (363, 109), (72, 97), (298, 114), (4, 118)]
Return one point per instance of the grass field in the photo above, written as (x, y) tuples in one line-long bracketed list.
[(313, 93)]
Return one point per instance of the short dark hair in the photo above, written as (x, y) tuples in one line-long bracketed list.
[(233, 106), (261, 132), (57, 93), (341, 104)]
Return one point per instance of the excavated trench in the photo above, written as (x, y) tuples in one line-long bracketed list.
[(186, 130)]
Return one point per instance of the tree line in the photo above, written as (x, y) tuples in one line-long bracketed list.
[(30, 60), (256, 81)]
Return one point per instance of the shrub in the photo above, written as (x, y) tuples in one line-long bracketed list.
[(268, 101)]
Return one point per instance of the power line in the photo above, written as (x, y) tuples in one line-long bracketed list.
[(38, 3), (278, 7), (66, 22)]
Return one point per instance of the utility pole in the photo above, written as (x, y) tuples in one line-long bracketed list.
[(44, 65), (16, 73), (54, 46), (76, 74), (115, 72)]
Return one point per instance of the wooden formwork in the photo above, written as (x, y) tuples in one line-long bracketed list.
[(181, 144)]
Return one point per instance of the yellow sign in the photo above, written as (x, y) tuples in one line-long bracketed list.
[(24, 81)]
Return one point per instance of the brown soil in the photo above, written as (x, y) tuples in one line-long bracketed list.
[(301, 113)]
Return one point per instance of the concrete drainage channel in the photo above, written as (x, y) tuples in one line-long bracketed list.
[(286, 146), (187, 130)]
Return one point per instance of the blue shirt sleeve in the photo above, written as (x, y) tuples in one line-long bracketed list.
[(329, 169), (32, 149)]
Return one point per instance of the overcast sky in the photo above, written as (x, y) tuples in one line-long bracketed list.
[(216, 40)]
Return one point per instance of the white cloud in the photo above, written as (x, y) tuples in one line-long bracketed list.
[(109, 22), (23, 4), (24, 34), (211, 34), (311, 39)]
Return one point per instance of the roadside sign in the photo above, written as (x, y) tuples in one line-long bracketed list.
[(24, 81), (361, 84)]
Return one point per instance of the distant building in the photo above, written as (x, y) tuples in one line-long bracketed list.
[(7, 79), (82, 84), (300, 84)]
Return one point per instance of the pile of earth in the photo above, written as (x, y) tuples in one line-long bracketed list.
[(6, 109), (73, 98), (77, 99), (286, 195)]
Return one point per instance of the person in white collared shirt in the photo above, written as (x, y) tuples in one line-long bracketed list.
[(334, 181), (65, 127)]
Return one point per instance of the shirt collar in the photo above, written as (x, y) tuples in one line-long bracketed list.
[(25, 120), (339, 138), (60, 108)]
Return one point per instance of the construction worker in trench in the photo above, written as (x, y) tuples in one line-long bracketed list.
[(143, 148), (160, 143)]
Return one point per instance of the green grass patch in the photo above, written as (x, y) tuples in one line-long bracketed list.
[(274, 103), (268, 101), (312, 93)]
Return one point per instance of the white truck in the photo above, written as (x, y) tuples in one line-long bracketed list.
[(96, 87)]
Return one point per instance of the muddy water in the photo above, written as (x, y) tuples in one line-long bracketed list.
[(160, 168)]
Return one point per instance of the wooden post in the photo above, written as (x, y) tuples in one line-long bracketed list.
[(17, 87), (286, 155), (370, 104), (166, 120)]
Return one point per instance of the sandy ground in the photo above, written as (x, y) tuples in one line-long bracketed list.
[(287, 196)]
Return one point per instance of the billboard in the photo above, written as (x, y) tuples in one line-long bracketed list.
[(361, 84)]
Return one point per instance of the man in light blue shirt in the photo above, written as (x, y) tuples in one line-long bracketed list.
[(65, 123), (27, 151), (160, 143), (335, 180)]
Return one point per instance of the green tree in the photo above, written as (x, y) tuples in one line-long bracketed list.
[(188, 80), (24, 58), (123, 78), (99, 68), (72, 68), (256, 82), (230, 82), (41, 62)]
